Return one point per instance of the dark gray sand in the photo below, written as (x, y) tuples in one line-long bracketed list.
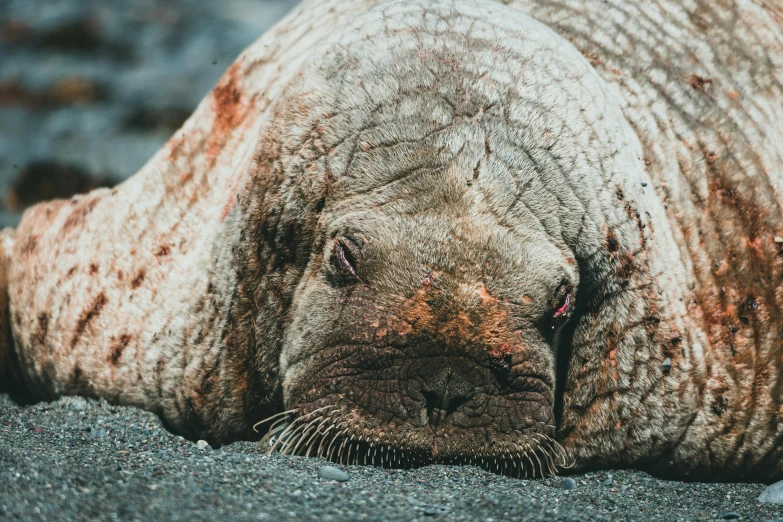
[(85, 460)]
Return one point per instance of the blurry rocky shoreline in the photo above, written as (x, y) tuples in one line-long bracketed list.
[(90, 89)]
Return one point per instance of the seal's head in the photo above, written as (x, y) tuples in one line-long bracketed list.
[(434, 148)]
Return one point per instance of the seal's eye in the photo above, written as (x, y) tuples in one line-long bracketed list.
[(563, 302), (345, 257)]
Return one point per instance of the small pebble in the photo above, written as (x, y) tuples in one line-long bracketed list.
[(202, 444), (607, 482), (666, 365), (100, 432), (332, 473), (568, 483), (644, 183), (731, 515), (431, 511)]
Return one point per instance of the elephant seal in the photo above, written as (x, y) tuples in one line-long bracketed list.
[(518, 234)]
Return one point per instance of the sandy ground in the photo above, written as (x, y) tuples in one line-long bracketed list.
[(81, 459)]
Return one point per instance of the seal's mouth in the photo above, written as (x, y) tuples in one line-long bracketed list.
[(327, 433), (380, 406)]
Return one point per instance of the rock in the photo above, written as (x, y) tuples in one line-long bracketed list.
[(202, 444), (430, 511), (100, 432), (644, 183), (568, 483), (773, 494), (666, 365), (74, 403), (731, 515), (332, 473), (607, 482)]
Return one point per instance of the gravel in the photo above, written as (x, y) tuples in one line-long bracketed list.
[(83, 459)]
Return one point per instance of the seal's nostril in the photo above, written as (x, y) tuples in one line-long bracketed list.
[(433, 401), (440, 406), (455, 403)]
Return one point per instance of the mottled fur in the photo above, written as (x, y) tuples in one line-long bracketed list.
[(473, 164)]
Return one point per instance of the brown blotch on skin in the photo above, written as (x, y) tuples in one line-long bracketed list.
[(699, 83), (80, 210), (164, 250), (119, 348), (719, 405), (87, 316), (120, 275), (93, 269), (627, 266), (30, 244), (76, 376), (612, 244), (71, 271), (43, 327), (138, 280)]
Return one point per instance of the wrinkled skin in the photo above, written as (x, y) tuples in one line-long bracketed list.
[(520, 235)]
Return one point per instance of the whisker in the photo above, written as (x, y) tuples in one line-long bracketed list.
[(259, 423)]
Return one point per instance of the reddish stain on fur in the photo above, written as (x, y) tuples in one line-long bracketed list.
[(93, 269), (594, 60), (227, 105), (138, 279), (87, 316), (175, 147), (164, 250), (486, 298)]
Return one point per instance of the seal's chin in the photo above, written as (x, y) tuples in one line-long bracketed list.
[(337, 433)]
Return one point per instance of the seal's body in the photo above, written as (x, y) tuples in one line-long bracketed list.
[(446, 232)]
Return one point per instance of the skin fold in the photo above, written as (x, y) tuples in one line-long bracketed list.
[(524, 235)]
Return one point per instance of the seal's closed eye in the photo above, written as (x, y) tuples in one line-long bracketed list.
[(345, 259)]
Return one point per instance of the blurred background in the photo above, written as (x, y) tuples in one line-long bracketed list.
[(90, 89)]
